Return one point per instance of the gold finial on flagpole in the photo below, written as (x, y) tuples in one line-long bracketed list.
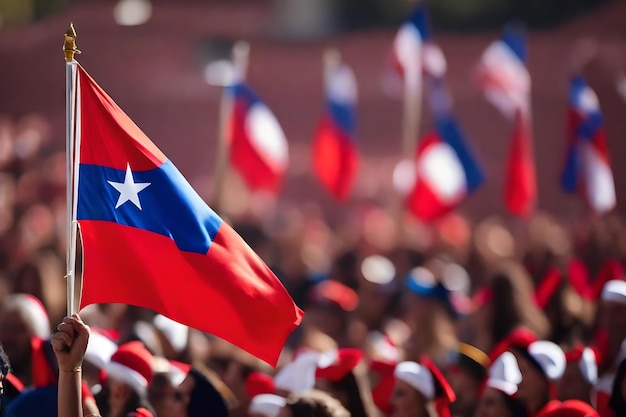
[(69, 44)]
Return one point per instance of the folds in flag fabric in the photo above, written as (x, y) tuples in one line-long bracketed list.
[(587, 166), (335, 155), (447, 171), (505, 81), (258, 147), (150, 241)]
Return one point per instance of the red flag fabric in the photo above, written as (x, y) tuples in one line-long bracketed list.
[(150, 241), (521, 183)]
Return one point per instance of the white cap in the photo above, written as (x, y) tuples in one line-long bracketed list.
[(614, 290), (175, 332), (550, 357), (504, 374), (417, 376), (268, 405), (99, 350), (298, 375)]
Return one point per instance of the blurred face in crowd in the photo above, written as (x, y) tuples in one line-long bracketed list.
[(178, 401), (466, 388), (407, 401), (171, 401), (160, 392), (573, 385), (119, 394), (15, 337), (534, 389), (492, 404)]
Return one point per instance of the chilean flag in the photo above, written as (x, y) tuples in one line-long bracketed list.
[(446, 169), (407, 45), (505, 81), (335, 155), (587, 164), (150, 241), (258, 147), (413, 51)]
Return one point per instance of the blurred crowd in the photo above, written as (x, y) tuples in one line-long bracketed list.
[(403, 319)]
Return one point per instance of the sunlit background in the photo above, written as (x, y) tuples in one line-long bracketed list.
[(164, 62)]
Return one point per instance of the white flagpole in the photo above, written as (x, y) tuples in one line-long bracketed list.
[(332, 60), (69, 50), (412, 109), (241, 51)]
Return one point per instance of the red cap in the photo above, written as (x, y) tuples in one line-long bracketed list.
[(611, 269), (579, 278), (381, 393), (259, 383), (347, 359), (444, 394), (547, 287), (132, 363), (572, 408), (519, 338), (337, 293)]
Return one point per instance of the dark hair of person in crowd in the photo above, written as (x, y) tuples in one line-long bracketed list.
[(209, 395), (357, 398), (5, 369), (313, 403), (617, 401), (5, 365), (512, 304)]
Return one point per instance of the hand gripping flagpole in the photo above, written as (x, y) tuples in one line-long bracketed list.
[(241, 51), (69, 50)]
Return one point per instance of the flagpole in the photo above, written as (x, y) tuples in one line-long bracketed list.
[(241, 51), (69, 50), (332, 59), (412, 112)]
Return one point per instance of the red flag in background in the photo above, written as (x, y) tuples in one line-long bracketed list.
[(520, 192), (335, 155), (150, 241), (505, 81)]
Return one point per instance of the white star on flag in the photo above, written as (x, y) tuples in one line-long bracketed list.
[(129, 189)]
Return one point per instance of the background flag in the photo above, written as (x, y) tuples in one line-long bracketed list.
[(587, 166), (258, 147), (504, 79), (447, 171), (150, 241), (335, 155), (407, 50)]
